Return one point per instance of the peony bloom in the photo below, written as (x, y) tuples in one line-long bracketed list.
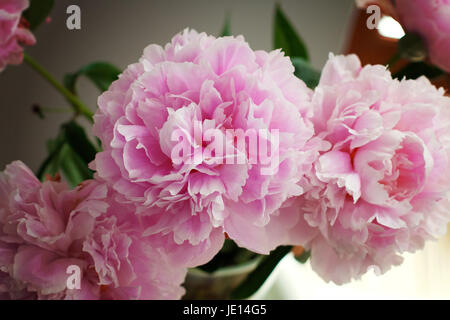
[(46, 229), (381, 189), (13, 32), (155, 124), (127, 264)]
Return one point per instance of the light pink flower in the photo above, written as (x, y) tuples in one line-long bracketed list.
[(198, 82), (382, 187), (431, 20), (13, 32), (45, 228), (128, 265)]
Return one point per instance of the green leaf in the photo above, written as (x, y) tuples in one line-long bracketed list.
[(37, 12), (51, 163), (416, 69), (102, 74), (226, 30), (74, 169), (69, 154), (79, 142), (230, 255), (257, 278), (52, 167), (286, 38), (306, 72), (304, 257)]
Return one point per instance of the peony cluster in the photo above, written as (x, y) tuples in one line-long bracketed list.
[(360, 179), (13, 32), (195, 85), (47, 232), (381, 189), (205, 138)]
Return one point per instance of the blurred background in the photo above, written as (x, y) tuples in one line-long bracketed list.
[(117, 31)]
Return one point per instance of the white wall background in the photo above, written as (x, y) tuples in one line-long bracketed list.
[(423, 275)]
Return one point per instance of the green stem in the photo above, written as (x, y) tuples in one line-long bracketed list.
[(257, 277), (79, 107)]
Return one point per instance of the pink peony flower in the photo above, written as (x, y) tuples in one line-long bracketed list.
[(194, 85), (13, 32), (127, 264), (381, 189), (46, 228), (431, 20)]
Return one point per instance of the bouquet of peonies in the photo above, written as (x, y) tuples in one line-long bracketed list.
[(205, 141)]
